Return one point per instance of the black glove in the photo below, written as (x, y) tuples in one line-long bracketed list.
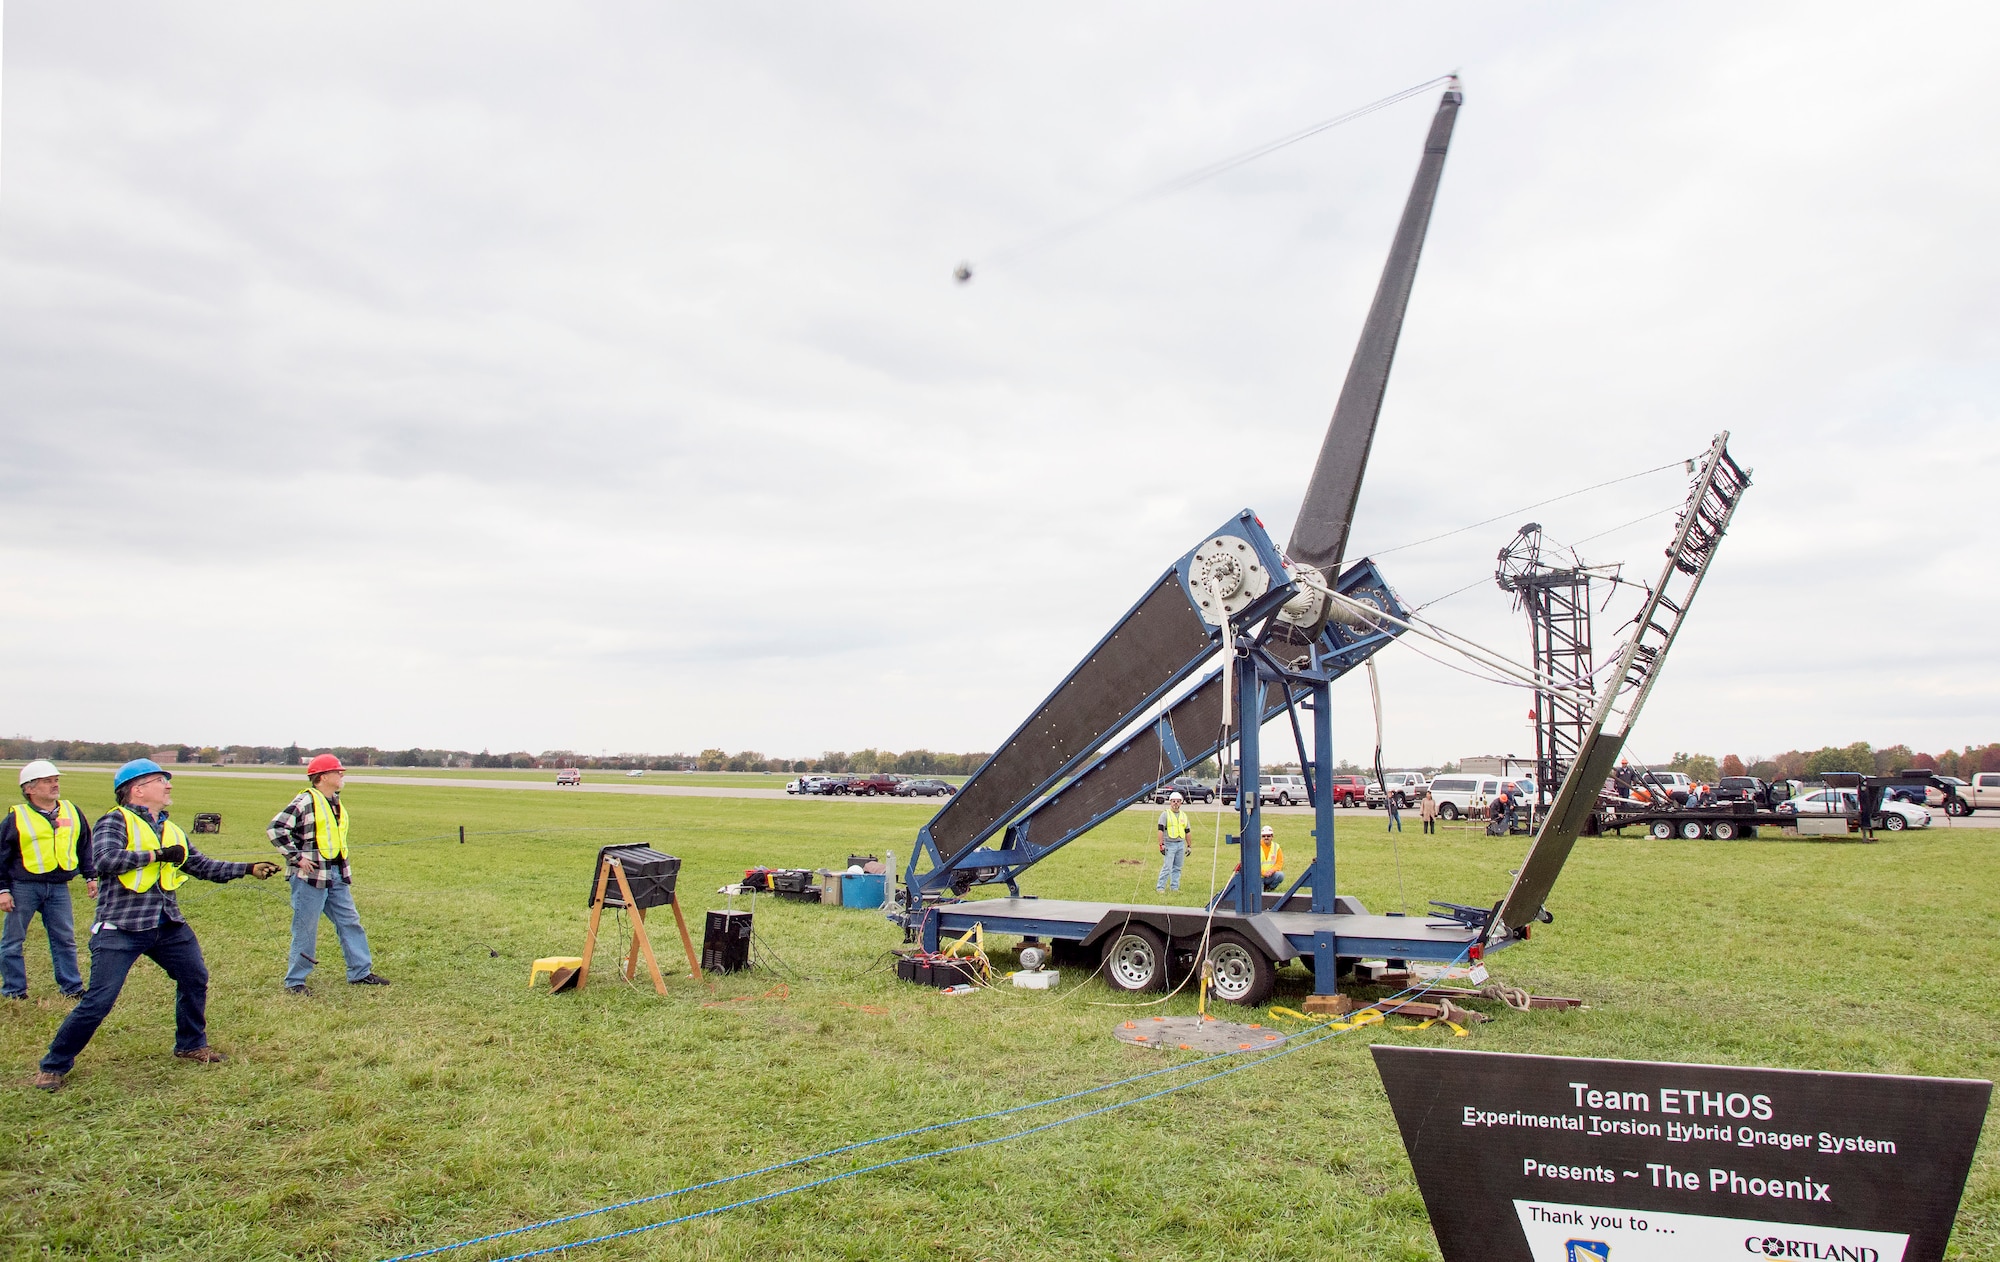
[(174, 853)]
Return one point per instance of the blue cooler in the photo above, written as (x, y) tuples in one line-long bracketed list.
[(866, 890)]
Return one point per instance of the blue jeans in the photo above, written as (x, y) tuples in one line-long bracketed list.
[(1395, 819), (1170, 865), (113, 952), (1274, 880), (52, 900), (336, 903)]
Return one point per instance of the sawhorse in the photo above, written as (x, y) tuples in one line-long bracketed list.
[(608, 870)]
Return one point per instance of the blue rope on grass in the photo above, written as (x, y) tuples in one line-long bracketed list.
[(869, 1143)]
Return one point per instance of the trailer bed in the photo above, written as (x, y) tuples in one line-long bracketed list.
[(1285, 934)]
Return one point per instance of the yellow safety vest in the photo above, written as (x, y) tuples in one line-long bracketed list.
[(139, 835), (1177, 825), (45, 847), (1274, 857), (329, 833)]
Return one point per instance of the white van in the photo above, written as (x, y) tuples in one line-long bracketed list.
[(1468, 795)]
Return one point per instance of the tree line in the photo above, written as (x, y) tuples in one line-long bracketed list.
[(1799, 764), (1793, 764)]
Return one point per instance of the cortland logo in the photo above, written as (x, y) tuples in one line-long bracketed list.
[(1588, 1251), (1774, 1247)]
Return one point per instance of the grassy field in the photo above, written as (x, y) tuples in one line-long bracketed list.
[(545, 775), (364, 1122)]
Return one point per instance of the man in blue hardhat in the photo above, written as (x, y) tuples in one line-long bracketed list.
[(141, 857), (40, 855)]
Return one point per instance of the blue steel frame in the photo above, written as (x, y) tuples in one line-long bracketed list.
[(1243, 525), (1340, 649)]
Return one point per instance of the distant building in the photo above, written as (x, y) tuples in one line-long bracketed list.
[(1504, 765), (165, 756)]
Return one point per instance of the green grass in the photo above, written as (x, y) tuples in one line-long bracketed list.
[(365, 1122)]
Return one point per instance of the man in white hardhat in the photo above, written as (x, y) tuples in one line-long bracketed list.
[(39, 857), (1174, 828)]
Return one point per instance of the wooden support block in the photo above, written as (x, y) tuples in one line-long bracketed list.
[(1329, 1005)]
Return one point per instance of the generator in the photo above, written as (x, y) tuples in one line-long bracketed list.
[(725, 942)]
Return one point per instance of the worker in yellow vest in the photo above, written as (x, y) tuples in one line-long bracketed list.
[(139, 914), (39, 857), (1174, 829), (312, 832), (1271, 858)]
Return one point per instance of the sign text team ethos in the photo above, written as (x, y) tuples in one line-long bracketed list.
[(1555, 1159)]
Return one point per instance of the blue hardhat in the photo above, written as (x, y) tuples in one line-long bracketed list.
[(137, 769)]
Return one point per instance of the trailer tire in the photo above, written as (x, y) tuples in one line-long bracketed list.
[(1135, 959), (1449, 811), (1691, 830), (1239, 973), (1662, 830), (1725, 830)]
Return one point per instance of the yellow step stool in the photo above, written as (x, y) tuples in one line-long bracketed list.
[(549, 964)]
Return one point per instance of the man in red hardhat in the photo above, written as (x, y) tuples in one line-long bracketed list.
[(40, 855), (312, 832), (139, 914)]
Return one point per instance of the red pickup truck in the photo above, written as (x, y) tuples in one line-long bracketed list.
[(1350, 791), (869, 786)]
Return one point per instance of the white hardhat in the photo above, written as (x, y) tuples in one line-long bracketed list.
[(1175, 796), (40, 769), (1269, 831)]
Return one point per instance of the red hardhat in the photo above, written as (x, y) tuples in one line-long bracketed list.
[(323, 764)]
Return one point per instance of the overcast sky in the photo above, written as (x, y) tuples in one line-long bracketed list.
[(548, 375)]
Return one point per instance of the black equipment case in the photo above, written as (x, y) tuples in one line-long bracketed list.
[(650, 874)]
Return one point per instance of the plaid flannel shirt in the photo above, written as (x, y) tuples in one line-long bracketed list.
[(292, 831), (132, 910)]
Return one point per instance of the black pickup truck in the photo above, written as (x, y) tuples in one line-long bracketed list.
[(1189, 788)]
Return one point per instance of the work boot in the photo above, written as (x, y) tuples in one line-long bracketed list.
[(48, 1081), (299, 989), (373, 979), (203, 1056)]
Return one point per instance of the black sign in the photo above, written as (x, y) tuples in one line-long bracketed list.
[(1556, 1159)]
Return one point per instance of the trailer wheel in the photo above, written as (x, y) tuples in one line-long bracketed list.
[(1724, 830), (1135, 959), (1691, 830), (1238, 971), (1449, 811), (1662, 830)]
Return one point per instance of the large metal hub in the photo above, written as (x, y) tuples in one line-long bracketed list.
[(1226, 577)]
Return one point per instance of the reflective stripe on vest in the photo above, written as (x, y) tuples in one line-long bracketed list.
[(326, 827), (1274, 857), (46, 847), (1177, 825), (139, 835)]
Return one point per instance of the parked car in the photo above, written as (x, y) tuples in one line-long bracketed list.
[(569, 776), (925, 789), (1408, 786), (1350, 791), (634, 775), (831, 786), (1188, 787), (870, 786), (1226, 790), (1895, 816)]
